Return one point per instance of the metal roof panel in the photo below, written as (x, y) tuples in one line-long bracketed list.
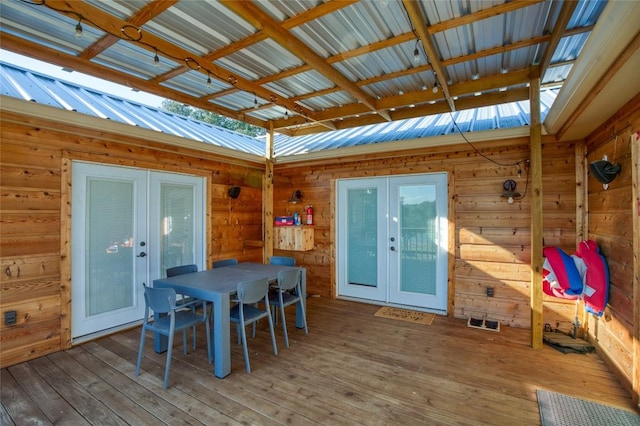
[(28, 85)]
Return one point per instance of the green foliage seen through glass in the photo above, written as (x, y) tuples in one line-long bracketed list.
[(211, 118)]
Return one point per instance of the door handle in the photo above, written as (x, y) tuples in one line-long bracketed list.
[(142, 254)]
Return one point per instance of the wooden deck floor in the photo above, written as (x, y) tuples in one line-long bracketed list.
[(353, 368)]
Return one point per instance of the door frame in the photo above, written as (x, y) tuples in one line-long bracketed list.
[(81, 321), (147, 225), (68, 157), (448, 229)]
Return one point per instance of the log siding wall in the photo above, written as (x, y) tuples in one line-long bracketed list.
[(490, 239), (35, 216), (610, 224), (491, 244)]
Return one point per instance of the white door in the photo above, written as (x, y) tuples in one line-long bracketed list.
[(128, 226), (392, 240)]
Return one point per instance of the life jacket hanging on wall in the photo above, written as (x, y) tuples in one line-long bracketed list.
[(596, 278), (560, 276), (583, 275)]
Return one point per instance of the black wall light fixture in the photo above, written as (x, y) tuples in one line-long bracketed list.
[(604, 171), (509, 187), (295, 196), (234, 192)]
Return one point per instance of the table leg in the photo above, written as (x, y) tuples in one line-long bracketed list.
[(303, 299), (221, 335)]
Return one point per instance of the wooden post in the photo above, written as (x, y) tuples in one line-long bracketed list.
[(267, 198), (535, 147), (635, 185), (582, 222)]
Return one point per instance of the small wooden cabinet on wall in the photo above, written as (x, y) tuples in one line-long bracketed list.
[(297, 238)]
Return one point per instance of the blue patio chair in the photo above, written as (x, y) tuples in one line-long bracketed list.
[(224, 262), (247, 311), (288, 292), (182, 269), (188, 300), (282, 260), (168, 319)]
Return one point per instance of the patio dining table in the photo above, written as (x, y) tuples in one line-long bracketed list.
[(216, 286)]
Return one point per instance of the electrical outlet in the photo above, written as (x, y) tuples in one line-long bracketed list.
[(10, 317)]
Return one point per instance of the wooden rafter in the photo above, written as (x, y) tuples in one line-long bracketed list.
[(486, 84), (253, 14), (481, 14), (360, 116), (149, 41), (51, 56), (294, 21), (386, 108), (417, 18), (147, 13), (557, 34)]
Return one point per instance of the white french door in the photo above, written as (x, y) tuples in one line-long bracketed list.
[(392, 240), (128, 226)]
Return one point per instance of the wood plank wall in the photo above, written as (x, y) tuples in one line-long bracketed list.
[(492, 237), (611, 226), (32, 154), (491, 244)]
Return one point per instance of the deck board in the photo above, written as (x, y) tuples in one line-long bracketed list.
[(352, 368)]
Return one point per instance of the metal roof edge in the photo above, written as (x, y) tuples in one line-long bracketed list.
[(47, 112), (394, 146)]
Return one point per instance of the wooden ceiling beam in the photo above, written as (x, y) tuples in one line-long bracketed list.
[(423, 68), (441, 107), (383, 44), (294, 21), (114, 26), (493, 82), (144, 15), (419, 23), (46, 54), (468, 89), (497, 50), (481, 14), (251, 13), (557, 33)]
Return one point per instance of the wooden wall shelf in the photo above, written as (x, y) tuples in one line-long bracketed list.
[(296, 238)]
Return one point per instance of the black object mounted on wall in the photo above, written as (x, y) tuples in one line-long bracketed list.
[(295, 196), (604, 171), (234, 192), (510, 193)]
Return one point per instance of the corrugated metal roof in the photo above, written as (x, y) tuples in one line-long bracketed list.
[(367, 47), (510, 115), (28, 85), (31, 86)]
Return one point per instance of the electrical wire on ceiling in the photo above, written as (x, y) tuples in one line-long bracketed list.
[(517, 164), (135, 34)]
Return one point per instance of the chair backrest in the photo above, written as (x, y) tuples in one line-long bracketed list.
[(160, 300), (250, 292), (180, 270), (224, 262), (288, 279), (282, 260)]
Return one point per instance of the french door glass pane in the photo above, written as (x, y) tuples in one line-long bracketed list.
[(177, 220), (362, 241), (109, 242), (418, 232)]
